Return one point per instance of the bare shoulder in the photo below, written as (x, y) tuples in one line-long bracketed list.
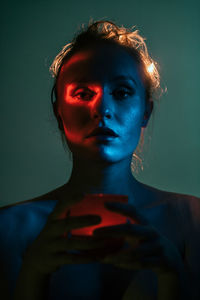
[(31, 211), (25, 219), (187, 208), (187, 205), (51, 195), (179, 200), (182, 208), (25, 212)]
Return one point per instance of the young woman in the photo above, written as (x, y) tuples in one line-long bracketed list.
[(104, 86)]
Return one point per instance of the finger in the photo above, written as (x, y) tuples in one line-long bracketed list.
[(126, 261), (122, 261), (61, 245), (129, 256), (146, 250), (157, 264), (130, 231), (72, 258), (63, 205), (59, 227), (127, 210), (82, 221), (152, 263)]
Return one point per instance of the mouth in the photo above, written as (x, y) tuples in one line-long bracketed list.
[(101, 137), (103, 132)]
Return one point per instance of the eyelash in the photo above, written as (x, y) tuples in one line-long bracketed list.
[(129, 92)]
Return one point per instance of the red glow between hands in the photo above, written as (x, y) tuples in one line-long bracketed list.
[(94, 204)]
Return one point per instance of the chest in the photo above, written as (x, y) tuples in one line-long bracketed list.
[(101, 282)]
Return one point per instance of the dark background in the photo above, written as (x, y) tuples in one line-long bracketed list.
[(33, 160)]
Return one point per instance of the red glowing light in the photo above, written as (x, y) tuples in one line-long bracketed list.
[(94, 204)]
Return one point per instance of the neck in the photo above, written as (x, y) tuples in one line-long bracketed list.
[(106, 178)]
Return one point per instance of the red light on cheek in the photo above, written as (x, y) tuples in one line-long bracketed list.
[(94, 204)]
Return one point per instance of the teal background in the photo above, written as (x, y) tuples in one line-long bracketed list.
[(33, 160)]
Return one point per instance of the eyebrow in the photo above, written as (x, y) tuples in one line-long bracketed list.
[(119, 77), (122, 77)]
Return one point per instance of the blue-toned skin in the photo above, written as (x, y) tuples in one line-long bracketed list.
[(20, 224)]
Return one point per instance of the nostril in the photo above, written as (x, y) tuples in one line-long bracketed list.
[(105, 115)]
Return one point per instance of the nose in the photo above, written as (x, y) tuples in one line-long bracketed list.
[(103, 114), (102, 108)]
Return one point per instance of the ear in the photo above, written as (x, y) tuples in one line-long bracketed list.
[(147, 114)]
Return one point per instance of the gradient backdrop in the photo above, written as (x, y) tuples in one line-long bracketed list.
[(33, 160)]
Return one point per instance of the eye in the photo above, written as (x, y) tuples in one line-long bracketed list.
[(122, 93), (84, 94)]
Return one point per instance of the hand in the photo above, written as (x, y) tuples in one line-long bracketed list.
[(48, 252), (146, 247)]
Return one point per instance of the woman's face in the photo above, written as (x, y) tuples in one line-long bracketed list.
[(101, 87)]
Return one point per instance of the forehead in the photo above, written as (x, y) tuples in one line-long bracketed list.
[(100, 65)]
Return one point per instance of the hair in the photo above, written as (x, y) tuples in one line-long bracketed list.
[(108, 32)]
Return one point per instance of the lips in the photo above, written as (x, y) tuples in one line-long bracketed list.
[(103, 131)]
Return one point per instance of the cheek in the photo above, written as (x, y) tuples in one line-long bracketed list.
[(132, 129), (74, 118), (133, 122)]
